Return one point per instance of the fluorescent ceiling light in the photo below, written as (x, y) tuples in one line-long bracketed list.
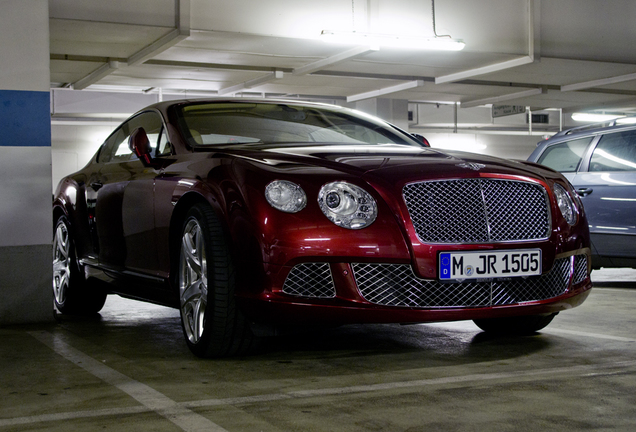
[(392, 41), (626, 120), (591, 117)]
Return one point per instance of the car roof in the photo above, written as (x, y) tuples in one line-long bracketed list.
[(586, 130)]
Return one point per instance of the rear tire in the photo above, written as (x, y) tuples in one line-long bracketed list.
[(72, 294), (521, 325), (212, 324)]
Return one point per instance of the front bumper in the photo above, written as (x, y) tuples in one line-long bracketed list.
[(338, 293)]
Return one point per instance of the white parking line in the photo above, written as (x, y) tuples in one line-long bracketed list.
[(47, 418), (150, 398), (513, 376), (182, 416), (588, 334)]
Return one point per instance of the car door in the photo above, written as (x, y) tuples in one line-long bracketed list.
[(121, 193), (606, 183)]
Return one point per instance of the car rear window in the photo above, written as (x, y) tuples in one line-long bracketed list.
[(615, 152), (565, 156)]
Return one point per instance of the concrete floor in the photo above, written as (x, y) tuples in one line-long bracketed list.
[(131, 370)]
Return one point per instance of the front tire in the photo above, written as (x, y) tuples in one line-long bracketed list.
[(212, 325), (71, 292), (521, 325)]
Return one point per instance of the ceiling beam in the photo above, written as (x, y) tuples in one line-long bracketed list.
[(385, 91), (502, 98), (598, 82), (533, 12), (181, 32), (333, 60), (104, 70), (484, 70), (252, 83), (157, 47)]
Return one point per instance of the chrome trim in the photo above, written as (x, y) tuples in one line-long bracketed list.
[(398, 286), (486, 206), (311, 280)]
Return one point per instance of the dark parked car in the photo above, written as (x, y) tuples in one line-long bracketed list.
[(601, 164), (249, 215)]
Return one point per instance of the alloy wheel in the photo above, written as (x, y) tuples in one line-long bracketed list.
[(61, 263), (193, 281)]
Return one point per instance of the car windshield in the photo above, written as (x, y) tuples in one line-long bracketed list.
[(239, 123)]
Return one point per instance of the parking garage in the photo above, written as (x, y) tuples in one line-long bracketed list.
[(73, 71)]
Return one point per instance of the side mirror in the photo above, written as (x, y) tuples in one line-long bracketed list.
[(421, 139), (140, 145)]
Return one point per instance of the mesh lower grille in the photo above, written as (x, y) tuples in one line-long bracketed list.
[(397, 285), (310, 280), (580, 269), (477, 210)]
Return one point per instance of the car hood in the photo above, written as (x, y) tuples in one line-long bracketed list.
[(392, 162)]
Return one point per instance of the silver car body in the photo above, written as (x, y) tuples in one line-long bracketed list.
[(601, 165)]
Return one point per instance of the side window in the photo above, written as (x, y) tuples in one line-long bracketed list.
[(615, 152), (116, 149), (163, 146), (111, 146), (565, 157)]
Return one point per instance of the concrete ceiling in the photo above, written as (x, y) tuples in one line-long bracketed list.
[(576, 55)]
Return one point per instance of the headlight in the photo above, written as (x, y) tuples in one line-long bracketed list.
[(285, 196), (566, 205), (347, 205)]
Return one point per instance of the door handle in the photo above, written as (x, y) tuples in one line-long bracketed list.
[(97, 185), (584, 191)]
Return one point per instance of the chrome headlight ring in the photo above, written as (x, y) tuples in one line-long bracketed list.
[(347, 205), (285, 196)]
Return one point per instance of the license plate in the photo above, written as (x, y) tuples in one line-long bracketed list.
[(489, 264)]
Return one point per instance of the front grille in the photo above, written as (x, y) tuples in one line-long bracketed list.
[(478, 210), (580, 269), (310, 280), (397, 285)]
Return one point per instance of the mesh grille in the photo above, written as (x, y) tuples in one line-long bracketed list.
[(542, 287), (310, 280), (477, 210), (580, 269), (397, 285)]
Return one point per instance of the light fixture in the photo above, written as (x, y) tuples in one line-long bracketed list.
[(594, 118), (626, 120), (392, 41)]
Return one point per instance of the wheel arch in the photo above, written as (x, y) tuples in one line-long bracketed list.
[(177, 219), (58, 212)]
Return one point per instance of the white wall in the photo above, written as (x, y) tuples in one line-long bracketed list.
[(73, 144), (504, 146)]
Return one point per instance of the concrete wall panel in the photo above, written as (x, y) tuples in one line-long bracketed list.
[(25, 163), (24, 51), (25, 284)]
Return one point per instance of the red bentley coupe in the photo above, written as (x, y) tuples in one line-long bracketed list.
[(252, 214)]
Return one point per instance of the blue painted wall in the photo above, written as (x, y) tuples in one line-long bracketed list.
[(25, 120)]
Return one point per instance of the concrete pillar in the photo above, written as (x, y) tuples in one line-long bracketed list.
[(25, 163)]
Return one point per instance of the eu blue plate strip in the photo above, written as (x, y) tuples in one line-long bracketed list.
[(25, 119)]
